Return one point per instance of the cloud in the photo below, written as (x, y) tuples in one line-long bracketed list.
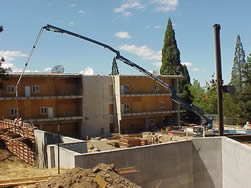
[(156, 26), (158, 64), (196, 70), (9, 57), (47, 69), (87, 71), (188, 64), (123, 35), (81, 12), (130, 4), (165, 5), (142, 51)]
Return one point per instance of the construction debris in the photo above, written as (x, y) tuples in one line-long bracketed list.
[(102, 175)]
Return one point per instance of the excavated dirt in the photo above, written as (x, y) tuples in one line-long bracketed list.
[(102, 175)]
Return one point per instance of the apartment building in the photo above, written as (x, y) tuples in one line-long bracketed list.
[(45, 100), (145, 104), (89, 105)]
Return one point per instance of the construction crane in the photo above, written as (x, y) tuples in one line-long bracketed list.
[(173, 95)]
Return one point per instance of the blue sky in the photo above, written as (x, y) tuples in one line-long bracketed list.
[(136, 28)]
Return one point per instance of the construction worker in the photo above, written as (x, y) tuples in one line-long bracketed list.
[(20, 122)]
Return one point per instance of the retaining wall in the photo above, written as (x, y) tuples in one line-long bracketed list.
[(44, 138), (216, 162)]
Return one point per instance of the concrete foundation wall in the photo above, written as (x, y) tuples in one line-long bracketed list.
[(207, 162), (66, 156), (236, 159), (43, 139), (164, 165)]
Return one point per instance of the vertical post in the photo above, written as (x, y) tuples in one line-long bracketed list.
[(177, 89), (219, 80), (58, 150)]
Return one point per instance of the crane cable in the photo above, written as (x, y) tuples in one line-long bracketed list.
[(26, 64)]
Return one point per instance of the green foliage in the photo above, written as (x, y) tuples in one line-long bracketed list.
[(245, 99), (171, 62), (206, 99), (237, 69), (170, 53), (115, 70)]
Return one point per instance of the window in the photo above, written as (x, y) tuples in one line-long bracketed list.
[(156, 88), (126, 87), (35, 89), (126, 107), (13, 112), (11, 89), (162, 105), (111, 108), (43, 110)]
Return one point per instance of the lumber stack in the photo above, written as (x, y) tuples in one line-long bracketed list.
[(19, 140), (129, 141)]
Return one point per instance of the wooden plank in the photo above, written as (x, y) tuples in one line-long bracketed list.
[(21, 183), (128, 170), (100, 181), (25, 179)]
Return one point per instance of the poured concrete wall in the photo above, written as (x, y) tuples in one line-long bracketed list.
[(164, 165), (97, 97), (236, 159), (207, 162), (216, 162), (43, 139)]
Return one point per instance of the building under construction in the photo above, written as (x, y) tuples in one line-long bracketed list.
[(90, 105)]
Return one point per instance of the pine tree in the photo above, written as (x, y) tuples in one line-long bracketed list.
[(115, 70), (237, 70), (245, 99)]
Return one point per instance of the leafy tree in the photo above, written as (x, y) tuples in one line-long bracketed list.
[(237, 69), (3, 71), (115, 70)]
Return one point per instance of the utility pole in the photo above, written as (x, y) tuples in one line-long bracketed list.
[(219, 80)]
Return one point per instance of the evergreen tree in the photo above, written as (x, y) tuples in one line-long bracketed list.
[(170, 53), (1, 28), (115, 70), (171, 62), (245, 99), (237, 70)]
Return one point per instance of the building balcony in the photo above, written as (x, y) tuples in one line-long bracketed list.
[(130, 114), (71, 118), (42, 97), (145, 94)]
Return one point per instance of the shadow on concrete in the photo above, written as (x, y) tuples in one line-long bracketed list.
[(201, 176)]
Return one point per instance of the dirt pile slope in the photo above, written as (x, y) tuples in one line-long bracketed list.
[(102, 175)]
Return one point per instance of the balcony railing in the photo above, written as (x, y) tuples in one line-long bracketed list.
[(43, 97), (151, 113)]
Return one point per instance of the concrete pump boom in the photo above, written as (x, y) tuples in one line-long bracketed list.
[(173, 96)]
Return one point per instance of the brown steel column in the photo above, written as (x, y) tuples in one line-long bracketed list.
[(219, 80)]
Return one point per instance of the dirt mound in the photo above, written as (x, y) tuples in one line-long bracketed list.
[(101, 176)]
